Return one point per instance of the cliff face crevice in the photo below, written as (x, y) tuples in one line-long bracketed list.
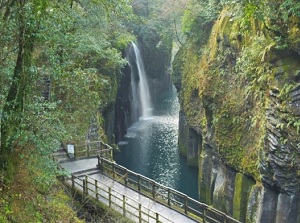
[(240, 102)]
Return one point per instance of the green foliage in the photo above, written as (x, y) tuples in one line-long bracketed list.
[(26, 203), (254, 66), (198, 14), (236, 71), (77, 47), (290, 8)]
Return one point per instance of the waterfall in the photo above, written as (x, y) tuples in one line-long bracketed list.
[(141, 104)]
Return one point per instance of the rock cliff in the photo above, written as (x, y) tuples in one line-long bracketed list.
[(239, 120)]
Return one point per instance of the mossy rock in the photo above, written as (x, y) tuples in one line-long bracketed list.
[(205, 178), (254, 203), (243, 185)]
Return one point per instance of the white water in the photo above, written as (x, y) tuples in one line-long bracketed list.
[(141, 87)]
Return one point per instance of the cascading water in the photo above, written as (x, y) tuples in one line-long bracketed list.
[(141, 104)]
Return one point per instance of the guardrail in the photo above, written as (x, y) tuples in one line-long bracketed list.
[(165, 195), (94, 148), (127, 206)]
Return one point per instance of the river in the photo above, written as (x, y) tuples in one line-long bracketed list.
[(150, 148)]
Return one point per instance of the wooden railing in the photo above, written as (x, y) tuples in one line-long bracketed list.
[(127, 206), (165, 195), (91, 148)]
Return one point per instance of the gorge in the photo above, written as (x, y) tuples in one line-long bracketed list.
[(150, 144), (238, 114), (79, 71)]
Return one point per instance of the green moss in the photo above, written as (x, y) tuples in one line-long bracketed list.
[(237, 196), (193, 161), (205, 187), (242, 189), (213, 96), (254, 200), (182, 148), (225, 88)]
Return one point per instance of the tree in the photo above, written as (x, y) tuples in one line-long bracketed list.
[(68, 44), (11, 116)]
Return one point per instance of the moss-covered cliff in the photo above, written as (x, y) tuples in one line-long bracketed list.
[(238, 76)]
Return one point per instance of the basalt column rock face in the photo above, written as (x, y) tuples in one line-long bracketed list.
[(239, 97), (123, 105), (156, 54)]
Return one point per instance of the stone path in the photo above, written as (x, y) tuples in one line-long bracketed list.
[(89, 164)]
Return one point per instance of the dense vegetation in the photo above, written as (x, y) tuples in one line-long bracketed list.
[(230, 63), (59, 64), (238, 76), (60, 69)]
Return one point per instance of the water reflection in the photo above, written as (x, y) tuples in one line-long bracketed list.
[(150, 148)]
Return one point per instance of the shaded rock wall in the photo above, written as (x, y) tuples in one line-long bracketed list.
[(123, 105)]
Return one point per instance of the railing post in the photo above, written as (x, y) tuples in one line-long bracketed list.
[(100, 163), (88, 149), (169, 198), (96, 189), (109, 197), (110, 155), (104, 148), (126, 177), (225, 218), (139, 182), (86, 185), (114, 170), (204, 215), (153, 190), (140, 213), (157, 218), (186, 204), (83, 187), (73, 182), (124, 206)]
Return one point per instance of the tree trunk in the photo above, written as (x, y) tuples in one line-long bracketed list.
[(13, 108)]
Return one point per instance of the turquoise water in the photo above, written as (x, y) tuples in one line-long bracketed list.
[(150, 148)]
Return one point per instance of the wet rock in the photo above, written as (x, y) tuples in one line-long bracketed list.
[(194, 146), (243, 185), (269, 203), (254, 204), (183, 134), (288, 208), (206, 177), (223, 192)]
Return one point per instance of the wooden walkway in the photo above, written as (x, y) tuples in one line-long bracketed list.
[(84, 172), (134, 196)]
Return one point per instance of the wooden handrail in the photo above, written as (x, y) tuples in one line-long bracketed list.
[(92, 147), (168, 196), (113, 198)]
